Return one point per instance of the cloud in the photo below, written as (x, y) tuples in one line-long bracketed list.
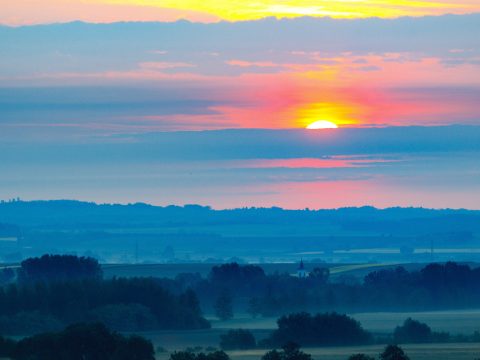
[(47, 11), (428, 166)]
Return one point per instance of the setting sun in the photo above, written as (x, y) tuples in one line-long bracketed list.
[(322, 124)]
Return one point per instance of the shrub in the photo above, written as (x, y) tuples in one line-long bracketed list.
[(393, 352), (412, 331), (327, 329)]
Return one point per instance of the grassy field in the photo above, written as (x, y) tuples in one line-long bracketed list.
[(171, 270), (453, 321), (415, 352), (465, 322)]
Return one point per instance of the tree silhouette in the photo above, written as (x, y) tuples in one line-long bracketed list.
[(224, 306), (393, 352)]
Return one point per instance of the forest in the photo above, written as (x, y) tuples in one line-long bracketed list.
[(47, 293)]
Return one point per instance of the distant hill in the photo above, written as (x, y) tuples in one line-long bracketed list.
[(142, 232)]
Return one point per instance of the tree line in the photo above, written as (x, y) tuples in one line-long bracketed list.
[(78, 342), (332, 329), (49, 292), (433, 287), (290, 351), (53, 291)]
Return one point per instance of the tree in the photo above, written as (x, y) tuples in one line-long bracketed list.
[(58, 268), (223, 306), (393, 352), (123, 303), (412, 331), (7, 347), (254, 307), (327, 329), (320, 275), (238, 339), (290, 351), (190, 355), (134, 348), (182, 355), (237, 279), (83, 341), (272, 355)]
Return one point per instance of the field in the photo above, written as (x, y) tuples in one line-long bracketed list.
[(457, 322), (453, 321), (415, 352), (171, 270)]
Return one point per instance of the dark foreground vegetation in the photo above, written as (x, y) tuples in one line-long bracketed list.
[(290, 351), (79, 342)]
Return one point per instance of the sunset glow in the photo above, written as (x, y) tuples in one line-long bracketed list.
[(322, 124), (21, 12), (247, 103)]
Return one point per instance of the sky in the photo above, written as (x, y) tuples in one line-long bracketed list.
[(23, 12), (100, 100)]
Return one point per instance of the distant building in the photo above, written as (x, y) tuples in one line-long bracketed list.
[(301, 272)]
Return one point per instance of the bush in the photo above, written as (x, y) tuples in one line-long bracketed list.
[(328, 329), (393, 352), (237, 340), (189, 355), (412, 331), (361, 357)]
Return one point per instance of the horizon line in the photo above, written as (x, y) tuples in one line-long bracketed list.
[(16, 200), (224, 21)]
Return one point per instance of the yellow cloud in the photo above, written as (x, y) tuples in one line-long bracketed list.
[(235, 10)]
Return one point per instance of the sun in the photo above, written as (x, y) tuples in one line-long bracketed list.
[(322, 124)]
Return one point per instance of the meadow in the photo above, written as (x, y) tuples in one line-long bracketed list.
[(415, 352), (171, 270), (457, 322)]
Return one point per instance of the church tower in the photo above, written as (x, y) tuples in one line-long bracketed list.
[(301, 272)]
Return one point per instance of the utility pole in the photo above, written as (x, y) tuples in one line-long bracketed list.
[(431, 250), (136, 251)]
